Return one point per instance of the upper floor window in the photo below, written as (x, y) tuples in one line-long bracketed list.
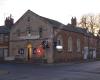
[(18, 32), (78, 45), (28, 19), (28, 30), (6, 37), (40, 31), (1, 37), (70, 43), (59, 40)]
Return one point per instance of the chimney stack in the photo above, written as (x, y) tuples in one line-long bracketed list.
[(9, 22), (73, 21)]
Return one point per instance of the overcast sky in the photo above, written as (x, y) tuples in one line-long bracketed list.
[(60, 10)]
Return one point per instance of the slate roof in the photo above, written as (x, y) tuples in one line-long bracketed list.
[(77, 29), (57, 24), (4, 30), (68, 27), (71, 28), (53, 22)]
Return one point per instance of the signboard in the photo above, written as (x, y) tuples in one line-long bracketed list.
[(40, 52), (30, 37)]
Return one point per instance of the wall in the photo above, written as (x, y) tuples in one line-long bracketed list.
[(65, 55)]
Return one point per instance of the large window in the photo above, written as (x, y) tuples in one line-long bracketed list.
[(59, 40), (78, 45), (70, 43), (6, 37)]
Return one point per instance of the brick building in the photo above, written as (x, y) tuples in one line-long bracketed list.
[(61, 43)]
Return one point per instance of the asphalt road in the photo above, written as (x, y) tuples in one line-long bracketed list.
[(69, 71)]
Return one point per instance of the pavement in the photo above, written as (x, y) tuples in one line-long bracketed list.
[(3, 72), (61, 71)]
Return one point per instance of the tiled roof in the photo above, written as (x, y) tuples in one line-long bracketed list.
[(4, 30)]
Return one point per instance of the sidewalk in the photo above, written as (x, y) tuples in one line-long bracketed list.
[(3, 72)]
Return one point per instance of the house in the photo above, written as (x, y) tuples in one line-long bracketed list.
[(4, 37)]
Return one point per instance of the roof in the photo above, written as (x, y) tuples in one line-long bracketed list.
[(57, 24), (69, 27), (53, 22), (4, 30)]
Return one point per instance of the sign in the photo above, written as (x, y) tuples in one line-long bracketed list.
[(40, 52), (59, 47), (30, 37)]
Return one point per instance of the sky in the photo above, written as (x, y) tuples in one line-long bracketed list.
[(60, 10)]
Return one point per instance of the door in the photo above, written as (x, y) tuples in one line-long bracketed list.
[(29, 51)]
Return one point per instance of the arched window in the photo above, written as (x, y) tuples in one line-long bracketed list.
[(78, 45), (70, 43), (59, 40)]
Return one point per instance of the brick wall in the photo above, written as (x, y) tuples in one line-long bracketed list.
[(65, 55)]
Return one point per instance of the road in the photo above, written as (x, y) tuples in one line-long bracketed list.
[(69, 71)]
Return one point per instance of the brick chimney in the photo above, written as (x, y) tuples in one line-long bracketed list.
[(73, 21), (9, 21)]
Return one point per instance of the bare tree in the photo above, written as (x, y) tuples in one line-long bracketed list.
[(83, 22), (90, 22)]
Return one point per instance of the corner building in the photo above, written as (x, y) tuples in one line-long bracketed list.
[(32, 30)]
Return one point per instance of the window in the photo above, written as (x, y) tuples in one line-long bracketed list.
[(28, 30), (59, 40), (18, 32), (40, 32), (6, 37), (70, 44), (28, 19), (78, 45)]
